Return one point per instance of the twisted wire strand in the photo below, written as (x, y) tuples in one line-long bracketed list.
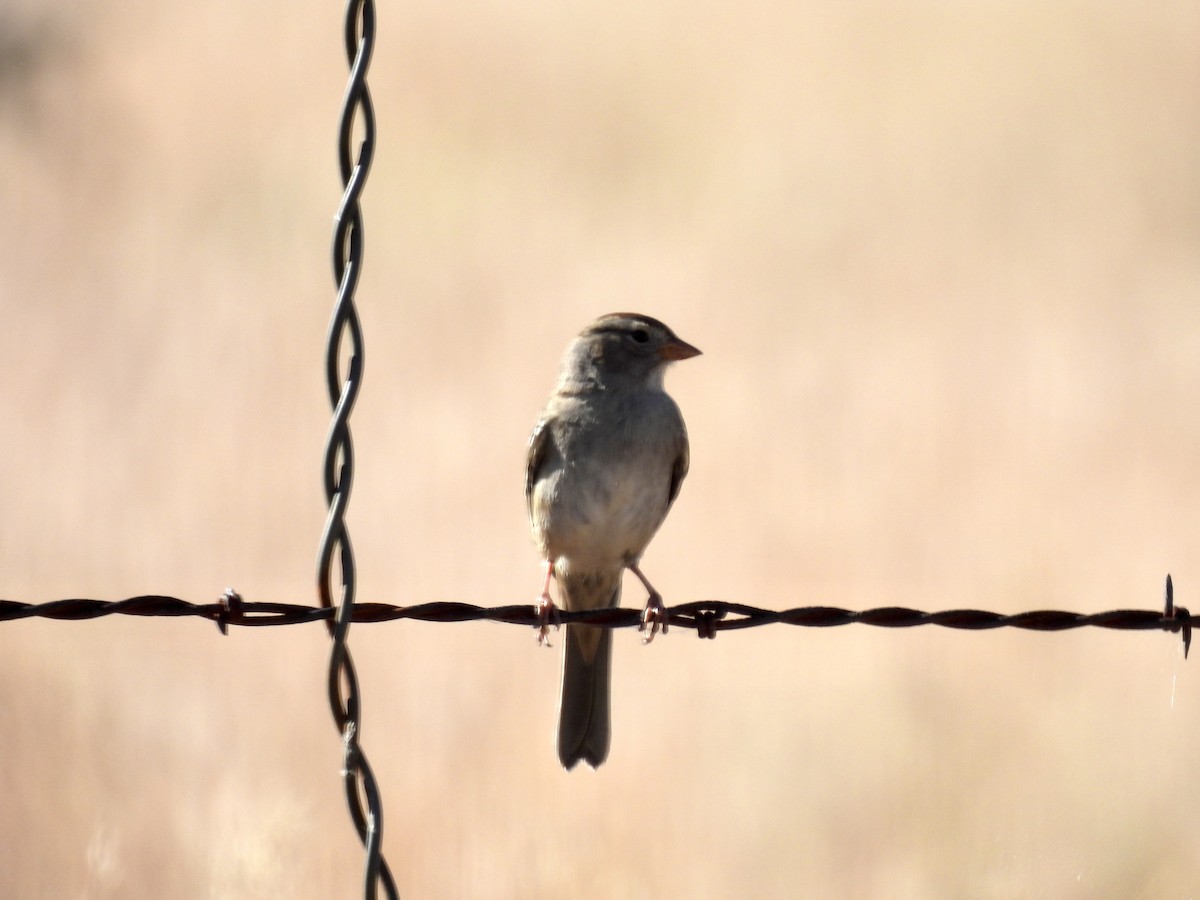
[(345, 342), (706, 617)]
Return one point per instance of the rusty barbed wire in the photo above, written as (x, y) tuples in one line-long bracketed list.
[(706, 617), (345, 342)]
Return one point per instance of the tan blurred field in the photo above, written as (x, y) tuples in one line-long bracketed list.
[(944, 263)]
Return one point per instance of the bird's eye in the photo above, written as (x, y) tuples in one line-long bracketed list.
[(641, 335)]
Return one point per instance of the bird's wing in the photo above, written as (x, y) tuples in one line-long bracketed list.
[(679, 471), (539, 443)]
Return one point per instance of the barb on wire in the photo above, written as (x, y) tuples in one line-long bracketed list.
[(345, 342), (707, 617)]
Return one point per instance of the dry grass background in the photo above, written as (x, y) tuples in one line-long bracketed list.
[(943, 262)]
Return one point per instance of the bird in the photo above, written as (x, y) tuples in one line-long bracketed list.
[(605, 463)]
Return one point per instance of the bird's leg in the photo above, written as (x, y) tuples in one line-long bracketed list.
[(545, 609), (654, 615)]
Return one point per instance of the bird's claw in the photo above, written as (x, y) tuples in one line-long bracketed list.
[(654, 617), (547, 614)]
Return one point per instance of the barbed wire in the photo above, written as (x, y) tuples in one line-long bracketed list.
[(705, 617), (344, 350), (345, 342)]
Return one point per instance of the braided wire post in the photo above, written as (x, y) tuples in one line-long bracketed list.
[(360, 785)]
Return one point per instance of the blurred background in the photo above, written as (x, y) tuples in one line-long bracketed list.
[(943, 263)]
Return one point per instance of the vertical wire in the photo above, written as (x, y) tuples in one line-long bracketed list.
[(345, 343)]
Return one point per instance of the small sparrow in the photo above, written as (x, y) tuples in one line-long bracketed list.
[(605, 463)]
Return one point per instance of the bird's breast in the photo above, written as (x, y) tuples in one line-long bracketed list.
[(601, 509)]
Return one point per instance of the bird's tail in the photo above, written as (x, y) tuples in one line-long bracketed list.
[(583, 715)]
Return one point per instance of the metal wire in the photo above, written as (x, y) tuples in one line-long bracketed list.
[(345, 342), (706, 617), (345, 351)]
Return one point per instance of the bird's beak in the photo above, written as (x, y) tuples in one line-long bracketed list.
[(676, 349)]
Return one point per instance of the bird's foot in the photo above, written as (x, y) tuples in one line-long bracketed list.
[(547, 614), (654, 617)]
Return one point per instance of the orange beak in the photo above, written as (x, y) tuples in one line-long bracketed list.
[(676, 350)]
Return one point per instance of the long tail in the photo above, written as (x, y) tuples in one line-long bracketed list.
[(583, 714)]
